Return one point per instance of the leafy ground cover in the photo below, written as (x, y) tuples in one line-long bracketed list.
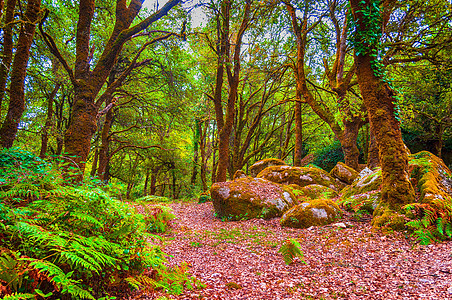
[(240, 260)]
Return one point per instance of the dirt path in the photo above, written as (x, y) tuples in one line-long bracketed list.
[(240, 260)]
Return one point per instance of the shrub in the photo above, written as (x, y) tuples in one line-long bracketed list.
[(72, 240)]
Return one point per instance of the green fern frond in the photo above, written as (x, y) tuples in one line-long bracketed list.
[(291, 249), (19, 296)]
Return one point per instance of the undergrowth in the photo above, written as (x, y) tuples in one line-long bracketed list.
[(431, 222), (61, 241)]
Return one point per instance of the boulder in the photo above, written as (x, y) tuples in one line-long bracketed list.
[(239, 174), (316, 191), (344, 173), (434, 179), (366, 181), (366, 202), (301, 176), (314, 213), (258, 166), (246, 198)]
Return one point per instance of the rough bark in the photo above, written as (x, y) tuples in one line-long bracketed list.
[(379, 100), (373, 157), (16, 107), (7, 53)]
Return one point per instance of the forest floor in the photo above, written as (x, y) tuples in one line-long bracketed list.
[(240, 260)]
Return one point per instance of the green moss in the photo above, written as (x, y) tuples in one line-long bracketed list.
[(386, 218), (365, 203), (314, 213), (247, 198), (301, 176)]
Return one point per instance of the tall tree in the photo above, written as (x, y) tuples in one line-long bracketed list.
[(88, 83), (231, 63), (380, 103), (16, 106)]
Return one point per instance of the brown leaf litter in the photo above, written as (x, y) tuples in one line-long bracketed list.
[(240, 260)]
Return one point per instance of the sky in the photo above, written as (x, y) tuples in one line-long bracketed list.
[(196, 14)]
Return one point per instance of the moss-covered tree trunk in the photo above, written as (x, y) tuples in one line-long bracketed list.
[(16, 106), (7, 51), (379, 100)]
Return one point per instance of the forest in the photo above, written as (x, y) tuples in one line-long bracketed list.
[(176, 150)]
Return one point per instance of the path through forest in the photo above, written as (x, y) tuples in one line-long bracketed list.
[(240, 260)]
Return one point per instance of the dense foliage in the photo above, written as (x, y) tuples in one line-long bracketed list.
[(58, 239)]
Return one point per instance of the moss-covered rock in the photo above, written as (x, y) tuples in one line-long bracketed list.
[(297, 191), (433, 178), (258, 166), (344, 173), (317, 191), (366, 202), (301, 176), (248, 197), (239, 174), (366, 181), (314, 213)]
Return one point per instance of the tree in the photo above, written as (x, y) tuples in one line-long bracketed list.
[(16, 106), (380, 101), (88, 83), (339, 81), (230, 63)]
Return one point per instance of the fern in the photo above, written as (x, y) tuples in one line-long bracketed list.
[(60, 279), (291, 249), (19, 296), (432, 221)]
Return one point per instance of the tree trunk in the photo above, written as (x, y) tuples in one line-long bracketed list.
[(104, 155), (373, 157), (153, 182), (48, 124), (233, 73), (298, 149), (202, 146), (7, 54), (146, 181), (379, 101), (349, 140), (195, 151), (87, 83), (95, 160), (16, 107)]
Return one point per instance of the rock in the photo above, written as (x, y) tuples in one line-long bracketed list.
[(432, 175), (344, 173), (247, 198), (315, 213), (366, 181), (366, 202), (316, 191), (258, 166), (301, 176), (339, 225), (238, 174)]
